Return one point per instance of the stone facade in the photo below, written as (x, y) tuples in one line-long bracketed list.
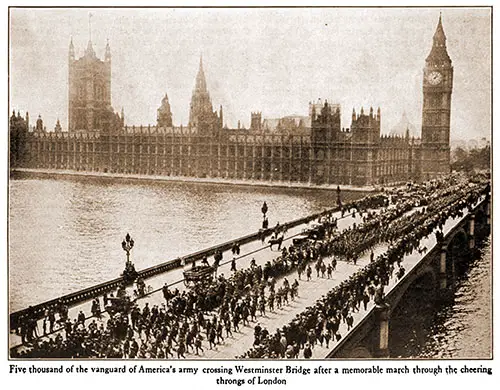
[(315, 149), (89, 93), (436, 112)]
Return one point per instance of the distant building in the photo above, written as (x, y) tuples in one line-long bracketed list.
[(89, 94), (313, 149), (201, 114), (436, 112), (57, 127), (256, 121), (402, 127), (164, 118)]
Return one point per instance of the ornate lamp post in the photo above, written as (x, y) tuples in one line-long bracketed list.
[(129, 273), (127, 246), (264, 211)]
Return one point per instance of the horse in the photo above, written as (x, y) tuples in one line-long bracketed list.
[(276, 240)]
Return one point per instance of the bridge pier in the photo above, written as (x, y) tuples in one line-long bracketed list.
[(472, 242), (443, 278), (381, 341), (445, 291)]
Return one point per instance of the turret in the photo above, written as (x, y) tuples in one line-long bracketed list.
[(58, 127), (164, 118), (39, 123), (71, 52), (89, 51), (107, 53), (256, 121), (353, 114)]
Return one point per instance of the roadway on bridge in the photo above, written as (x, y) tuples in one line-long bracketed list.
[(309, 293)]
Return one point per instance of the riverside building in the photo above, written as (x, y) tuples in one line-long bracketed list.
[(315, 149)]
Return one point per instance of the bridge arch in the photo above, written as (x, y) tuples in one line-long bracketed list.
[(424, 283), (457, 255), (410, 308), (360, 352)]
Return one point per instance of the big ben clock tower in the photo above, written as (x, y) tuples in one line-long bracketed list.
[(437, 86)]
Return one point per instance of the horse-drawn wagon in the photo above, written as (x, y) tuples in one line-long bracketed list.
[(198, 274)]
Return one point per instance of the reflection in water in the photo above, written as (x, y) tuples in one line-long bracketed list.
[(460, 329), (65, 235)]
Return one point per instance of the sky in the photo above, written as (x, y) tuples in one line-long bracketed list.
[(271, 60)]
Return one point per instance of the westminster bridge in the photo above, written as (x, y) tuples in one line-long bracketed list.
[(431, 270), (431, 276)]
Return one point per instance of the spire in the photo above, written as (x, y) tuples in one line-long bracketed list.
[(201, 114), (107, 54), (438, 54), (90, 50), (90, 27), (201, 84), (71, 53), (439, 36)]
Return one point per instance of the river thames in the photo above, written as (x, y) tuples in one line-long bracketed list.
[(65, 234)]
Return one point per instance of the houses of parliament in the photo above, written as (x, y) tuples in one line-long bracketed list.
[(314, 150)]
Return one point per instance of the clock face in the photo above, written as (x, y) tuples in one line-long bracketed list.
[(434, 78)]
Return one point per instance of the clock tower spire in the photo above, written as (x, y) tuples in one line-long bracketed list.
[(437, 89)]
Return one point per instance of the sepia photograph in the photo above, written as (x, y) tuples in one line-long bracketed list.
[(248, 183)]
